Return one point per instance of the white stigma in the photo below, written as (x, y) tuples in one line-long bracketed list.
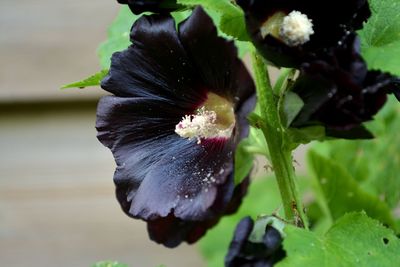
[(201, 125), (296, 29)]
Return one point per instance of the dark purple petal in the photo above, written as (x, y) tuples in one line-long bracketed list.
[(396, 90), (357, 132), (243, 252), (130, 121), (155, 65), (214, 58), (171, 230), (385, 80), (242, 233), (156, 6), (332, 20), (272, 239), (340, 93), (180, 187), (150, 156)]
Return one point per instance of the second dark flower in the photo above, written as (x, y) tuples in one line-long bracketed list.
[(289, 32), (340, 93)]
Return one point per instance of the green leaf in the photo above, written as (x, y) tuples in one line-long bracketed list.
[(375, 164), (380, 37), (284, 80), (93, 80), (383, 175), (243, 47), (181, 15), (247, 149), (255, 120), (233, 23), (354, 240), (243, 161), (118, 36), (292, 104), (340, 193), (231, 20), (109, 264), (298, 136), (384, 58)]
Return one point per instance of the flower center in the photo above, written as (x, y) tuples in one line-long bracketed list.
[(214, 119), (293, 29), (296, 29)]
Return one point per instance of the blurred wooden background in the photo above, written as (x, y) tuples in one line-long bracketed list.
[(57, 205)]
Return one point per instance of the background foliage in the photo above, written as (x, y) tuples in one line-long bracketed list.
[(351, 187)]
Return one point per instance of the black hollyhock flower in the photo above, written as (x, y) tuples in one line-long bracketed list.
[(396, 88), (340, 93), (289, 32), (179, 110), (245, 252), (155, 6)]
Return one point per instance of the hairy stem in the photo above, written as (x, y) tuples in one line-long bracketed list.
[(281, 159)]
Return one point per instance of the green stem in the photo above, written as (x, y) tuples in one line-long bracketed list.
[(281, 159)]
